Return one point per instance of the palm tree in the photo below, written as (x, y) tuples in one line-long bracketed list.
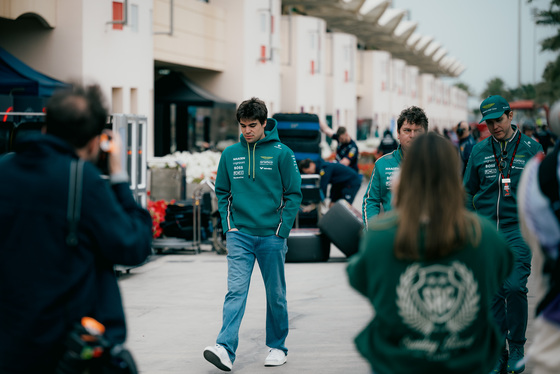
[(496, 86)]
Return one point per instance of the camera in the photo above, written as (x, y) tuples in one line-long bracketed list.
[(460, 131), (87, 351), (105, 148)]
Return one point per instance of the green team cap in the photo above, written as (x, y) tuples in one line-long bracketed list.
[(493, 107)]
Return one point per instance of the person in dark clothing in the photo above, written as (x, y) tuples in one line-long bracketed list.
[(344, 181), (528, 128), (347, 150), (545, 137), (466, 142), (47, 282), (491, 185), (388, 144)]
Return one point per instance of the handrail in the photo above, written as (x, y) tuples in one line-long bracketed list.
[(22, 114)]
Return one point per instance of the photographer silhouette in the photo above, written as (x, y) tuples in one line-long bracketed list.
[(57, 248)]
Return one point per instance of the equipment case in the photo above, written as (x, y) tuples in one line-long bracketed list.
[(308, 245), (343, 225)]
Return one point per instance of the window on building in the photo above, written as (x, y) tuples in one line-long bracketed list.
[(117, 100), (263, 22), (117, 15), (133, 21), (134, 100), (349, 59)]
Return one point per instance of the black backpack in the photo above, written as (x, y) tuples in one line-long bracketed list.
[(548, 183)]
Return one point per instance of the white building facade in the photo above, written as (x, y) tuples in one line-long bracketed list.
[(233, 49)]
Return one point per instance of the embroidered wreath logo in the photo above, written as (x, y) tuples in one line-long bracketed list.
[(438, 297)]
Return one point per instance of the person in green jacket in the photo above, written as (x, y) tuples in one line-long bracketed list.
[(258, 187), (430, 268), (411, 122), (491, 181)]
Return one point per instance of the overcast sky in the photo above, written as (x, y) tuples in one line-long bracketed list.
[(483, 36)]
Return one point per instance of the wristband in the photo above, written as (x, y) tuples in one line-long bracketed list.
[(121, 177)]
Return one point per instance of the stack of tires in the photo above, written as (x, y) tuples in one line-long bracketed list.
[(301, 132)]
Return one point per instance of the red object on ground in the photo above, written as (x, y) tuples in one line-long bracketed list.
[(528, 105)]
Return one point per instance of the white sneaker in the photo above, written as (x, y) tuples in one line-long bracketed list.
[(276, 357), (218, 356)]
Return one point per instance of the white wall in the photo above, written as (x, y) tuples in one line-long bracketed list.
[(56, 52), (341, 85), (118, 59), (83, 48), (248, 29), (376, 99), (444, 105), (398, 87), (458, 105), (198, 34), (304, 65), (411, 91)]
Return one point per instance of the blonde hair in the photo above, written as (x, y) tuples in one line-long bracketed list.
[(430, 198)]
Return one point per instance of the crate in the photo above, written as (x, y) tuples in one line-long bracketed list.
[(168, 183)]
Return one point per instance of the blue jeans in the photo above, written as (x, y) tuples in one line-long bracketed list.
[(346, 191), (510, 307), (270, 253)]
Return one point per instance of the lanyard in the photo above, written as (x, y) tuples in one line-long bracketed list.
[(512, 157)]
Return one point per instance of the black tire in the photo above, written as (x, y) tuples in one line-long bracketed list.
[(302, 146), (308, 135), (296, 117)]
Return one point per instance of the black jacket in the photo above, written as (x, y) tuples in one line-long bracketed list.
[(337, 174), (349, 151), (45, 285)]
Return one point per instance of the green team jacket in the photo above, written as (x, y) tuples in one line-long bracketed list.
[(259, 186), (379, 187), (430, 316), (483, 181)]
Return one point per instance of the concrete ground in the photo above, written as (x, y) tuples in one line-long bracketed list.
[(173, 306), (174, 309)]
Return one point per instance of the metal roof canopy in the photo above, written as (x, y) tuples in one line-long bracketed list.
[(17, 78), (379, 27), (176, 88)]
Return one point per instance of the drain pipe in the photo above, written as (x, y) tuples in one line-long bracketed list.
[(171, 27), (269, 10)]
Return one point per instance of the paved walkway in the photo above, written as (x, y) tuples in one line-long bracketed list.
[(174, 309), (174, 303)]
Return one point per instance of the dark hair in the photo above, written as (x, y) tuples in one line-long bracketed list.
[(413, 115), (341, 131), (76, 114), (430, 196), (252, 109), (304, 164), (460, 131), (528, 126)]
